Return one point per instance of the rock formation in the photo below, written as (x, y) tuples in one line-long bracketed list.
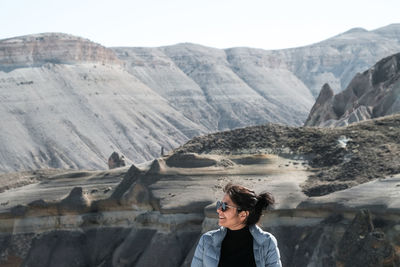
[(116, 161), (76, 201), (372, 94), (155, 212), (51, 48), (325, 95)]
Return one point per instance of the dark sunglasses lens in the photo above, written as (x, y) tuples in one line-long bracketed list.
[(224, 207), (221, 205)]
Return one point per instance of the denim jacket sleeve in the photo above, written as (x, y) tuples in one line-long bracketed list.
[(197, 260), (273, 258)]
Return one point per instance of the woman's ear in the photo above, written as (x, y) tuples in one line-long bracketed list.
[(243, 215)]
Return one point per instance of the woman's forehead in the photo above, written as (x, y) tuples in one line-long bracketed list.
[(227, 199)]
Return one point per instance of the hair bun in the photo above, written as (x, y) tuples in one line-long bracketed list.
[(264, 200)]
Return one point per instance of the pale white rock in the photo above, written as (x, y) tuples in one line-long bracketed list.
[(75, 116), (57, 48), (237, 101), (159, 72)]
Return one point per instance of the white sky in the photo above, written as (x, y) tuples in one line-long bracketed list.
[(268, 24)]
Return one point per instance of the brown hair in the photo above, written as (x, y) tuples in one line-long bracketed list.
[(248, 200)]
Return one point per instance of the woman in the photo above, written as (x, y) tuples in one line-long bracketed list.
[(239, 241)]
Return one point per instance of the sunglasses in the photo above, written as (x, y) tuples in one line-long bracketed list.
[(224, 206)]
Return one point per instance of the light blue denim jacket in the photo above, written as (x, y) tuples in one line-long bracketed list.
[(265, 246)]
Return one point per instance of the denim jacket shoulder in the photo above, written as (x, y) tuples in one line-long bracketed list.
[(208, 250)]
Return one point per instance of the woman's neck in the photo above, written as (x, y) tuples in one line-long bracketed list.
[(237, 227)]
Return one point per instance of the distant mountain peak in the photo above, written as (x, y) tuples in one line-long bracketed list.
[(356, 30)]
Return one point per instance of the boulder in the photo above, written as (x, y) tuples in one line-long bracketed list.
[(116, 161)]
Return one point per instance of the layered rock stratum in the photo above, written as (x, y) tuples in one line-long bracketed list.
[(336, 190), (57, 48)]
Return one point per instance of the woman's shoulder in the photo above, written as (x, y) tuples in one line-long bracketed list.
[(214, 234), (262, 236)]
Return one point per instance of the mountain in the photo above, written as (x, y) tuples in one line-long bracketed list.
[(220, 89), (69, 103), (338, 59), (374, 93), (275, 85)]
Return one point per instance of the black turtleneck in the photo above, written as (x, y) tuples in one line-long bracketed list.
[(237, 249)]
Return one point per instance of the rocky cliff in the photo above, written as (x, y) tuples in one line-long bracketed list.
[(57, 48), (372, 94), (336, 200)]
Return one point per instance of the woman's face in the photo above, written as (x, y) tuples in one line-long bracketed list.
[(231, 218)]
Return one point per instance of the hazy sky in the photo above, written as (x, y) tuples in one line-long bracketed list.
[(268, 24)]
